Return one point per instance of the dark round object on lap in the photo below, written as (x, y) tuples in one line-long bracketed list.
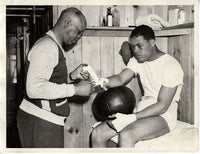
[(114, 100)]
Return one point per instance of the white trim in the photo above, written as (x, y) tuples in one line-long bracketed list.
[(52, 35), (61, 103), (46, 105), (40, 113)]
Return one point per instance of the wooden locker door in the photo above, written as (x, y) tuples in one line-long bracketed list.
[(90, 55), (73, 130), (181, 47), (107, 56), (187, 97)]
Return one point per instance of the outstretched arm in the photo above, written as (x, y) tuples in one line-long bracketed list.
[(120, 79)]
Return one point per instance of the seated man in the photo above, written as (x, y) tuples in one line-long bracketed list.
[(156, 113)]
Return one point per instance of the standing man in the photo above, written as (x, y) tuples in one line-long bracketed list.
[(162, 79), (44, 109)]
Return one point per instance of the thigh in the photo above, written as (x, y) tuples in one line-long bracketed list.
[(37, 133), (48, 135), (144, 129), (103, 131)]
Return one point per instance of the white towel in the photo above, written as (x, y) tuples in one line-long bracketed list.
[(151, 20)]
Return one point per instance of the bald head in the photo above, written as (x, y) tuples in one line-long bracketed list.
[(72, 13)]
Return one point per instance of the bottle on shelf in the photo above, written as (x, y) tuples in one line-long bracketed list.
[(181, 15), (109, 17), (116, 16)]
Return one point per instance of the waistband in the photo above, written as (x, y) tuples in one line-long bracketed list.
[(41, 113)]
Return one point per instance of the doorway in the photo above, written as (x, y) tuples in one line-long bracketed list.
[(24, 25)]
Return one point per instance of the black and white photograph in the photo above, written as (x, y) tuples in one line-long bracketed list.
[(89, 77)]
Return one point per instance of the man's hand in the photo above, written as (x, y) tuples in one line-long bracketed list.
[(83, 88), (78, 73), (123, 120), (102, 85)]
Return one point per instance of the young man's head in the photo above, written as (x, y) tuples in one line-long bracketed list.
[(70, 27), (142, 40)]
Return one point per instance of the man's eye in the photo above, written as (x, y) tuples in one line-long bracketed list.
[(140, 46), (132, 47)]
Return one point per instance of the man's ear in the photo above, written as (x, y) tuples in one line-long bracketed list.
[(67, 21), (152, 42)]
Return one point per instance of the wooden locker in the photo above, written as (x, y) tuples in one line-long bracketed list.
[(90, 55), (73, 134), (182, 48)]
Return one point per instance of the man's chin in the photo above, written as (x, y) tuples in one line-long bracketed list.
[(70, 46), (140, 61)]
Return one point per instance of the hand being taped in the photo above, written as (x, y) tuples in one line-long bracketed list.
[(101, 85)]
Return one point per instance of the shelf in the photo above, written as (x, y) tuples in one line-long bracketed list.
[(186, 25), (183, 29)]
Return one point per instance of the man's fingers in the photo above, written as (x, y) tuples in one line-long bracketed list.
[(112, 116), (84, 64)]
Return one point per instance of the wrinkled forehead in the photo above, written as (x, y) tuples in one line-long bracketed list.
[(137, 39)]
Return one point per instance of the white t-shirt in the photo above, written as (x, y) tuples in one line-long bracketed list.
[(164, 71)]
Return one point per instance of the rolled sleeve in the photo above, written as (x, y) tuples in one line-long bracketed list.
[(133, 65), (173, 76)]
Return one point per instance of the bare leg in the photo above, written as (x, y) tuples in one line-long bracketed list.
[(143, 129), (101, 134)]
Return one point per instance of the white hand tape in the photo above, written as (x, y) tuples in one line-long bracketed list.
[(92, 74)]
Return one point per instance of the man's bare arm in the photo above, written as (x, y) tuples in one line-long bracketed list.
[(121, 78), (164, 100)]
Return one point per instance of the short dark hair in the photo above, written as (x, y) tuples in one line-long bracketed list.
[(143, 30)]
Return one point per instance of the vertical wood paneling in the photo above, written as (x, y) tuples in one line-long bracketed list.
[(174, 48), (119, 65), (60, 9), (122, 15), (74, 125), (162, 11), (107, 54), (181, 48), (128, 16), (162, 44), (91, 55), (193, 111), (55, 14), (92, 14), (189, 13), (91, 52), (188, 90)]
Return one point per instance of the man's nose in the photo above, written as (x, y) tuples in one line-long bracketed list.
[(136, 50)]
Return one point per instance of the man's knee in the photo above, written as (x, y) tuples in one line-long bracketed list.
[(129, 137), (101, 134), (96, 136)]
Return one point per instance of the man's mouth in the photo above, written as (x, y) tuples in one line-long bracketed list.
[(138, 56)]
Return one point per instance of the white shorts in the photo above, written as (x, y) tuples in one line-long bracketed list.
[(170, 115)]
